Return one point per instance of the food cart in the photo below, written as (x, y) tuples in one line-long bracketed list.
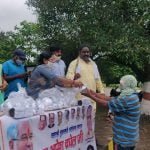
[(63, 129)]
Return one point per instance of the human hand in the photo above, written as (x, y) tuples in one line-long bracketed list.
[(93, 93), (77, 84), (77, 76), (86, 92), (23, 75)]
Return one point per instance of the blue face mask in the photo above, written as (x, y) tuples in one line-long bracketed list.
[(19, 62)]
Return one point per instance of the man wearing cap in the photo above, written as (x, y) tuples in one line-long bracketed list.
[(14, 72), (58, 65)]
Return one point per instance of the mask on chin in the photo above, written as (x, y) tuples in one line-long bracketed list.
[(49, 64), (54, 58), (57, 57), (19, 62)]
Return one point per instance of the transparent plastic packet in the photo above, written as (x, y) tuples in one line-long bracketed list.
[(23, 105)]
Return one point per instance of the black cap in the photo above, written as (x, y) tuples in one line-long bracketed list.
[(20, 53)]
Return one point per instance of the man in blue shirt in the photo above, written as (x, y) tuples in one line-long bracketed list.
[(14, 72), (58, 65)]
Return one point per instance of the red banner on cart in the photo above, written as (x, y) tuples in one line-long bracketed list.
[(66, 129)]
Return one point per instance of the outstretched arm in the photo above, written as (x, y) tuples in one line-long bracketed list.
[(69, 83), (99, 98)]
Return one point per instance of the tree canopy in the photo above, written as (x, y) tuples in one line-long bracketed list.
[(119, 30), (26, 36)]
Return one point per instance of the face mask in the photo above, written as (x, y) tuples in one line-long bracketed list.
[(56, 57), (19, 62), (49, 64)]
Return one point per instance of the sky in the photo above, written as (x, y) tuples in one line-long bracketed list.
[(12, 12)]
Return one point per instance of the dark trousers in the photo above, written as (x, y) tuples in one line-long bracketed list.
[(119, 147)]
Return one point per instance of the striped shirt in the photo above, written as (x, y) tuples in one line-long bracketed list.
[(126, 120)]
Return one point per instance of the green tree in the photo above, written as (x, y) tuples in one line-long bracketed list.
[(27, 37), (118, 29), (7, 45)]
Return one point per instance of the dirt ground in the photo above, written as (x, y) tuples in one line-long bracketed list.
[(103, 130)]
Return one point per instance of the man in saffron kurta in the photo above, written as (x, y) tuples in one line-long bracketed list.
[(85, 70)]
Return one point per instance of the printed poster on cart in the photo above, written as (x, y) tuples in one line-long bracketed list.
[(65, 129)]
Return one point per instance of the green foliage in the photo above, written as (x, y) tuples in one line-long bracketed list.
[(118, 32), (27, 37), (119, 29), (112, 72), (6, 46)]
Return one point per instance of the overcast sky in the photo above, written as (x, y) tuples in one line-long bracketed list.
[(12, 12)]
